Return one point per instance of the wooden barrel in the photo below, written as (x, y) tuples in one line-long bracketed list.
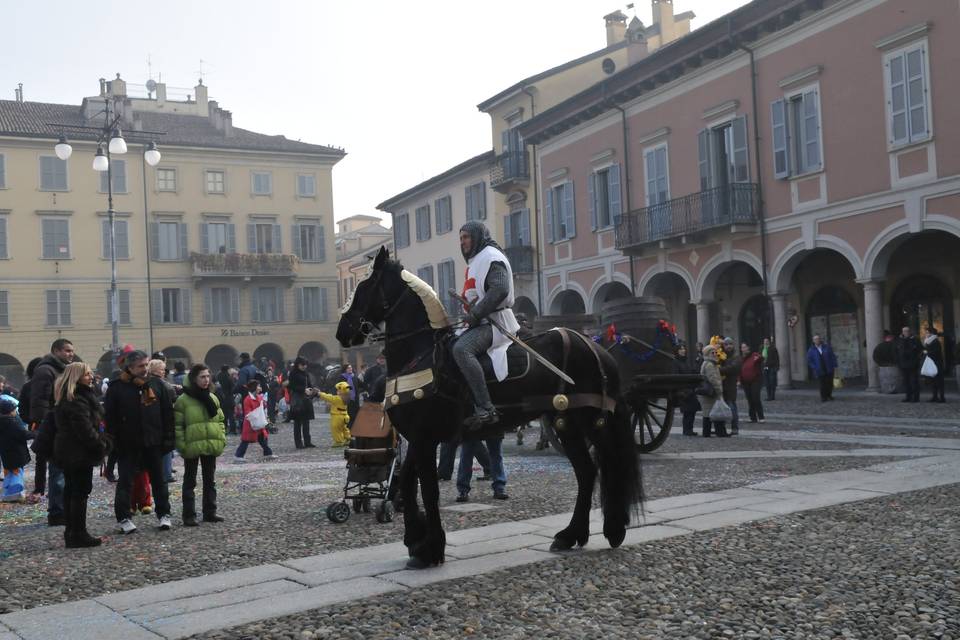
[(638, 318)]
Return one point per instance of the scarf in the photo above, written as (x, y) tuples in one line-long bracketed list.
[(147, 394), (929, 340), (204, 397)]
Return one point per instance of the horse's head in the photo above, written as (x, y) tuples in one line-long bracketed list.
[(366, 307)]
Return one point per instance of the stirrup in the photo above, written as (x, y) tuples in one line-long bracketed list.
[(478, 420)]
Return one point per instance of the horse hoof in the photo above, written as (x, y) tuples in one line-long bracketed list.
[(419, 563), (616, 538), (561, 545)]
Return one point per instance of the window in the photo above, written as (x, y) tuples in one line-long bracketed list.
[(401, 233), (516, 229), (476, 196), (216, 181), (53, 174), (171, 306), (796, 134), (306, 185), (3, 171), (908, 94), (221, 305), (118, 175), (123, 302), (4, 309), (56, 238), (444, 214), (261, 183), (263, 237), (426, 274), (168, 240), (267, 304), (561, 215), (446, 279), (604, 197), (167, 180), (308, 242), (121, 234), (218, 237), (657, 175), (348, 283), (311, 304), (423, 223), (58, 307), (4, 253), (723, 155)]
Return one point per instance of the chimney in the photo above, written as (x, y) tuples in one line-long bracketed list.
[(161, 93), (125, 107), (616, 27), (19, 92), (117, 87), (662, 12), (103, 87), (227, 122), (214, 112), (637, 48), (201, 92)]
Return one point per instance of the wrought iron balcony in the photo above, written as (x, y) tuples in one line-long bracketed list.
[(732, 206), (510, 168), (244, 265), (521, 259)]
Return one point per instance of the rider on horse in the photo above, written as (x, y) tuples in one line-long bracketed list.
[(488, 287)]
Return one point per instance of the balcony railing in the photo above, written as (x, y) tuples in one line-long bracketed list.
[(735, 204), (244, 265), (510, 167), (521, 259)]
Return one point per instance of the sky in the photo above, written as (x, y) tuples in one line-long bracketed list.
[(395, 84)]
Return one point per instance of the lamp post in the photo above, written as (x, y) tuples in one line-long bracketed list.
[(116, 145)]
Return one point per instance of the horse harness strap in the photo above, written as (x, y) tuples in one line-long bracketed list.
[(600, 400)]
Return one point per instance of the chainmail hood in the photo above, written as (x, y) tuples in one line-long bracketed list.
[(480, 238)]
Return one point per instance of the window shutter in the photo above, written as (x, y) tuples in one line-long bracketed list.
[(119, 171), (3, 238), (103, 181), (251, 238), (569, 213), (281, 307), (123, 239), (277, 243), (703, 150), (524, 239), (551, 226), (811, 132), (468, 196), (65, 316), (154, 240), (3, 171), (186, 298), (613, 192), (255, 304), (323, 304), (321, 245), (208, 305), (52, 302), (156, 304), (301, 316), (295, 240), (234, 304), (781, 150), (124, 301), (741, 159), (591, 199), (205, 238), (49, 241), (231, 238), (481, 200), (105, 238), (508, 240), (897, 99), (183, 240)]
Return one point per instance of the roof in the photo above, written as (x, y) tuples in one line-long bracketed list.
[(484, 158), (29, 120), (713, 41)]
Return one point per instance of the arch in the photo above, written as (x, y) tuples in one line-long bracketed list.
[(271, 351), (12, 370), (784, 266), (753, 323), (313, 351), (714, 268), (831, 312), (919, 301), (674, 290), (878, 254), (669, 267), (525, 305), (609, 291), (560, 290), (219, 355), (568, 302), (176, 354)]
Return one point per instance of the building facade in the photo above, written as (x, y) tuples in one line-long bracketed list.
[(789, 170), (236, 225)]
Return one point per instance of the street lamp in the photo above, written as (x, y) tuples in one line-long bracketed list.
[(116, 145)]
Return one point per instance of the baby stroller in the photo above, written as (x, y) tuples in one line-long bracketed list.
[(372, 459)]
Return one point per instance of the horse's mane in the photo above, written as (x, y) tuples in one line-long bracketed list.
[(436, 312)]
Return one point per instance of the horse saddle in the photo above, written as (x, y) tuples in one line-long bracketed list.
[(518, 364)]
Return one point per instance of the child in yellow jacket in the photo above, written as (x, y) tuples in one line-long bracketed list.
[(339, 417)]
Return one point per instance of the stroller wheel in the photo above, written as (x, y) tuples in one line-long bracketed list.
[(338, 512), (385, 512)]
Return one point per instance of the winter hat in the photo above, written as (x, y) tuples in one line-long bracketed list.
[(252, 385), (300, 360), (7, 406), (342, 386)]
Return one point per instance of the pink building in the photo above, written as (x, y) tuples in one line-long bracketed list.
[(792, 168)]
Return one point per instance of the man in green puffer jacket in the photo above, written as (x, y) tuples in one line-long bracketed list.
[(201, 438)]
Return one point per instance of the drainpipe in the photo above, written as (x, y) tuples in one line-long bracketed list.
[(536, 209), (626, 181)]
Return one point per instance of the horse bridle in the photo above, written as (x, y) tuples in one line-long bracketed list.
[(369, 329)]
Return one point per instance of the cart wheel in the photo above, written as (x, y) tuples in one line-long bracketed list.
[(651, 421), (338, 512), (385, 512), (365, 505), (547, 426)]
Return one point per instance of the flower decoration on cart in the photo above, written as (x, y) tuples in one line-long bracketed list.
[(666, 335)]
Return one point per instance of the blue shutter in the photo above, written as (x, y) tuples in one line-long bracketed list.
[(204, 238), (251, 238), (781, 139), (234, 304), (155, 240), (323, 303), (281, 307), (592, 199), (123, 239), (105, 238), (321, 245), (524, 239), (4, 254), (740, 165), (507, 238), (548, 201), (468, 197), (231, 238), (812, 158), (208, 305), (897, 100), (186, 298), (183, 241), (156, 305), (613, 192), (569, 211), (482, 200), (295, 240), (277, 243), (254, 304), (299, 295)]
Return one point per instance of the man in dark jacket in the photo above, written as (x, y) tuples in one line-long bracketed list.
[(909, 358), (139, 416), (225, 385), (822, 363), (41, 401), (248, 372), (771, 366), (730, 370)]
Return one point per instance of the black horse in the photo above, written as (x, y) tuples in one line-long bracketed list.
[(426, 401)]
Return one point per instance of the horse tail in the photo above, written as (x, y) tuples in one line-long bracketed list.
[(621, 478)]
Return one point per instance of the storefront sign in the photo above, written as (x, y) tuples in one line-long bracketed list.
[(243, 333)]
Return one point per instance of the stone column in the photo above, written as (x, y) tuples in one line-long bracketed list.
[(703, 322), (873, 325), (781, 336)]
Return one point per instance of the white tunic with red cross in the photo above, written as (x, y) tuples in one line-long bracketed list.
[(474, 291)]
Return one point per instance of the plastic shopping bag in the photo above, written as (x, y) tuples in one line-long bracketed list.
[(720, 412), (257, 418), (929, 368)]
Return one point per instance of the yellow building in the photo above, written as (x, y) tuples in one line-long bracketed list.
[(237, 225)]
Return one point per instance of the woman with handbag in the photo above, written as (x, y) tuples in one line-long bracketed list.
[(934, 351), (688, 401), (711, 395), (301, 412), (201, 437), (254, 428), (78, 447)]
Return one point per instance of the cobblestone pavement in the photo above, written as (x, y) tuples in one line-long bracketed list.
[(275, 511)]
